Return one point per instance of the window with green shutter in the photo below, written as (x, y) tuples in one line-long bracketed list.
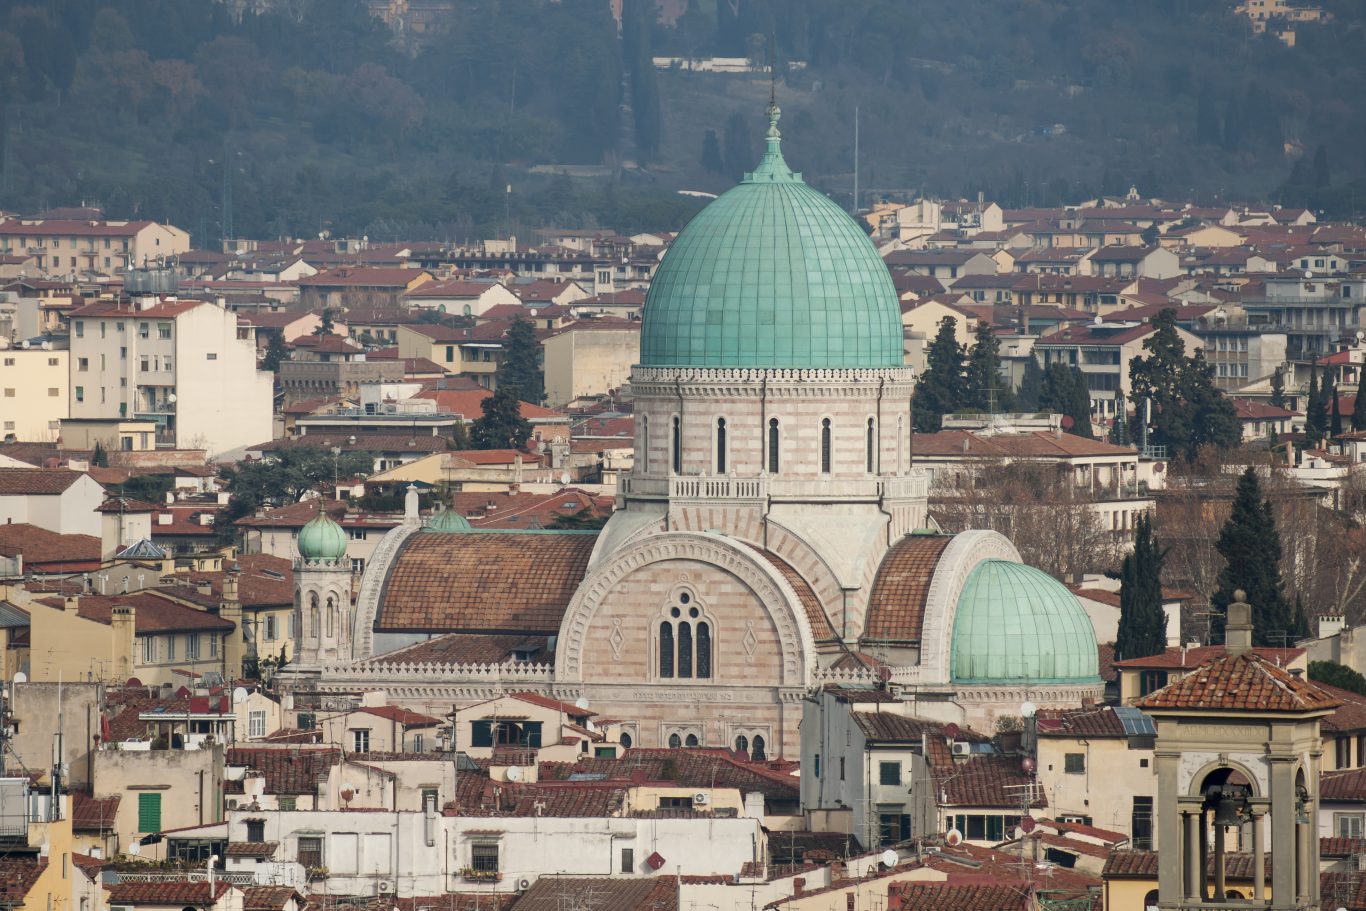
[(481, 733), (149, 812)]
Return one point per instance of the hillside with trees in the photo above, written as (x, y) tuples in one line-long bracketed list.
[(312, 117)]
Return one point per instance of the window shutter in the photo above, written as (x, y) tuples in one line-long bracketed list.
[(481, 734), (149, 812), (533, 734)]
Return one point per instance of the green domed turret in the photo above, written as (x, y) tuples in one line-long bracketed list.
[(448, 521), (772, 274), (322, 540), (1018, 624)]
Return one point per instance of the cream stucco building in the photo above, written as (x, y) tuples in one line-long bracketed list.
[(34, 391)]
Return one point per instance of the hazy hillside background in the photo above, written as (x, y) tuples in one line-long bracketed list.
[(324, 122)]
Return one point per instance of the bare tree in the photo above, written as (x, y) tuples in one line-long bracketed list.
[(1052, 521)]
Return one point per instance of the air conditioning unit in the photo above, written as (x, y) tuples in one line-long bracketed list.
[(700, 799), (523, 884), (384, 887), (962, 748)]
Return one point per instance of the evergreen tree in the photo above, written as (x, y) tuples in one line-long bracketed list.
[(1031, 386), (1207, 118), (984, 389), (1142, 623), (711, 153), (1119, 431), (1299, 621), (1315, 412), (521, 367), (325, 325), (1064, 392), (1187, 411), (1359, 404), (276, 351), (99, 458), (939, 390), (1338, 675), (1278, 387), (1233, 125), (637, 18), (501, 426), (1335, 424), (1251, 548)]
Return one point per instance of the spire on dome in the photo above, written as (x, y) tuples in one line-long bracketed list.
[(772, 166)]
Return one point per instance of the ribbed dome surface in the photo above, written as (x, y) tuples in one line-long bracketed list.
[(448, 521), (772, 274), (1018, 624), (322, 540)]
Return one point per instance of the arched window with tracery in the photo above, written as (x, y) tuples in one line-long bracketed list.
[(742, 744), (331, 616), (625, 740), (314, 618), (675, 741), (772, 445), (692, 741), (720, 445), (676, 442), (685, 644), (825, 446), (757, 749)]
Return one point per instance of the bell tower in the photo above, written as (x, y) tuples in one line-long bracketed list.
[(1238, 754), (322, 594)]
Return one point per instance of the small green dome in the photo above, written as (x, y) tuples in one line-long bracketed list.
[(1018, 624), (322, 540), (448, 521), (772, 274)]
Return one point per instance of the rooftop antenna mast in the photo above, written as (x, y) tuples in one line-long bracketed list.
[(854, 211)]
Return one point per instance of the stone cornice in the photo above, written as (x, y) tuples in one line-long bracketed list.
[(894, 382)]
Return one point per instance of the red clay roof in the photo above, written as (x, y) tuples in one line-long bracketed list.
[(154, 613), (1245, 682), (167, 893), (502, 582), (556, 893), (405, 717), (896, 605), (47, 550), (815, 614), (1177, 657), (1097, 721), (1345, 785), (93, 814), (1035, 444), (287, 771), (921, 896), (18, 874), (36, 481)]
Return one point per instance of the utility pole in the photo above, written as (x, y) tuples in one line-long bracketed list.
[(854, 211)]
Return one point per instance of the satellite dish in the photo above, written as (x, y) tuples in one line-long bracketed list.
[(239, 695), (1308, 274), (889, 858), (564, 478), (1027, 765), (171, 397), (135, 848), (514, 773), (21, 677), (1028, 709), (951, 731), (953, 838), (1027, 824), (582, 703)]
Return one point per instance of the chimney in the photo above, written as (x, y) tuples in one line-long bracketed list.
[(123, 619), (71, 603), (1238, 627), (235, 648)]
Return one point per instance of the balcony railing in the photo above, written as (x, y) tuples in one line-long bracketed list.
[(699, 487)]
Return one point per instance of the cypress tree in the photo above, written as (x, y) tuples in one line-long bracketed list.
[(1142, 623), (1335, 425), (1299, 623), (1187, 412), (1251, 548), (1359, 404), (983, 386), (1278, 387), (1064, 392), (501, 426), (521, 363), (939, 390), (1031, 385), (1315, 418), (711, 153)]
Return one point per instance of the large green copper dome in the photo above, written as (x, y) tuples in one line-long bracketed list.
[(1018, 624), (772, 274), (322, 540)]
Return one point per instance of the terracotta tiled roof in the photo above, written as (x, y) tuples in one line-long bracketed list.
[(981, 780), (896, 605), (1105, 654), (687, 768), (262, 581), (1106, 835), (1143, 865), (1249, 410), (402, 716), (36, 481), (815, 614), (125, 505), (287, 771), (364, 442), (45, 549), (18, 874), (555, 893), (376, 277), (1343, 890), (257, 849), (1245, 682), (267, 898), (93, 814), (939, 896), (1345, 785), (1098, 721), (1350, 716), (885, 727), (501, 582), (469, 403), (167, 893), (154, 613), (555, 705), (478, 796), (1186, 658), (1036, 444), (1341, 847)]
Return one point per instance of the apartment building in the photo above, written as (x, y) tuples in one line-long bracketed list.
[(33, 391), (180, 363), (1103, 352), (84, 249)]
